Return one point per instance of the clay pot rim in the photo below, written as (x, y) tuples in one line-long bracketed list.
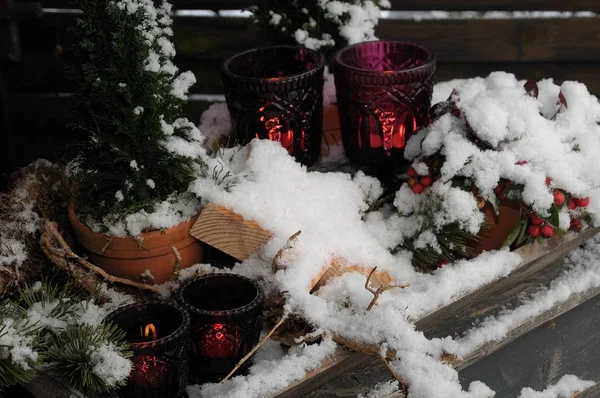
[(183, 329), (252, 305), (144, 235)]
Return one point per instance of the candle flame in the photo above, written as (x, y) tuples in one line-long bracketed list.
[(150, 332)]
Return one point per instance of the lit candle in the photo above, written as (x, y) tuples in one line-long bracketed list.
[(384, 91), (276, 93), (226, 321), (157, 333), (148, 370), (219, 341)]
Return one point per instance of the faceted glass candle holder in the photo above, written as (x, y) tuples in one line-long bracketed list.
[(276, 93), (158, 333), (384, 91), (225, 312)]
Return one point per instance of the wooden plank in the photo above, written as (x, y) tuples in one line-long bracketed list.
[(497, 5), (568, 344), (447, 5), (454, 318), (458, 317), (563, 48), (470, 40), (229, 232)]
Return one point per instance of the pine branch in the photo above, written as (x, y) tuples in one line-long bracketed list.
[(21, 335), (70, 356)]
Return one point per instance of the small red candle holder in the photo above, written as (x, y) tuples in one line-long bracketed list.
[(226, 322), (158, 334), (276, 93), (384, 91)]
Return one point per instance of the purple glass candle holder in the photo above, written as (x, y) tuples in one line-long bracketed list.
[(276, 93), (158, 334), (226, 313), (384, 91)]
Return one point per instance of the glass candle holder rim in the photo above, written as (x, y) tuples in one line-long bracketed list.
[(178, 333), (256, 301), (320, 64), (431, 57)]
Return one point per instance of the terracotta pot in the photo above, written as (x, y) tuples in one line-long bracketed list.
[(125, 258), (492, 236)]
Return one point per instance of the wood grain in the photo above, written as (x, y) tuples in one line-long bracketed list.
[(229, 232)]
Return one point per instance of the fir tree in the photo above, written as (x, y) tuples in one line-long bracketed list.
[(137, 149), (324, 25)]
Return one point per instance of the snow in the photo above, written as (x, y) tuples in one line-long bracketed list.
[(215, 122), (268, 376), (138, 110), (133, 164), (150, 183), (182, 84), (165, 214), (329, 208), (382, 390), (147, 275), (329, 93), (15, 346), (108, 364), (566, 387)]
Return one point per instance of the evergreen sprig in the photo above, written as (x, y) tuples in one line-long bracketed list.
[(63, 299), (70, 356), (310, 16), (126, 110), (12, 370)]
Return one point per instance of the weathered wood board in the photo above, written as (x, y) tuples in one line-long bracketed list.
[(544, 265)]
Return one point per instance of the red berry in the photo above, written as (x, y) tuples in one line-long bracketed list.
[(411, 172), (572, 204), (576, 225), (582, 202), (426, 180), (547, 231), (441, 263), (559, 197), (548, 180), (521, 162), (534, 219), (418, 188), (533, 231)]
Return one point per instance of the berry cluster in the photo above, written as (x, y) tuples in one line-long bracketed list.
[(416, 182)]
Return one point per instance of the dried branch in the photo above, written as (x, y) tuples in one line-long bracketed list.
[(86, 273), (288, 245), (393, 371), (177, 265), (256, 347), (377, 292)]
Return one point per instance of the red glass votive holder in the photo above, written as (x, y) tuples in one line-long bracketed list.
[(226, 313), (158, 334), (384, 91), (276, 93)]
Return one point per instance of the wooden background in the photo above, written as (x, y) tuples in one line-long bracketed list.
[(36, 93)]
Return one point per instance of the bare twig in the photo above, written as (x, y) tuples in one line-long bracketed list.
[(256, 347), (288, 245), (377, 292), (108, 242), (177, 265), (65, 258)]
